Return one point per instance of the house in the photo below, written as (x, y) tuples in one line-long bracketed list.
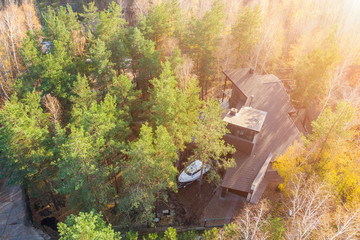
[(260, 128), (244, 125)]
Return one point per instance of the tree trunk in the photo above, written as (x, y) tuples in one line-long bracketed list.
[(328, 134), (201, 177), (48, 183), (97, 200), (7, 85), (3, 92)]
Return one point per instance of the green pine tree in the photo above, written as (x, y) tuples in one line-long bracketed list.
[(112, 30), (149, 171), (101, 64), (58, 72), (246, 33), (211, 148), (202, 42), (313, 70), (25, 140), (145, 59), (172, 108), (90, 18), (89, 156)]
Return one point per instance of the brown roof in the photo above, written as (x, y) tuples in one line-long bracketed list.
[(278, 131)]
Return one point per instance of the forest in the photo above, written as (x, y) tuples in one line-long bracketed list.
[(101, 101)]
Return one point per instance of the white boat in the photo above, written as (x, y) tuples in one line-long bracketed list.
[(191, 173)]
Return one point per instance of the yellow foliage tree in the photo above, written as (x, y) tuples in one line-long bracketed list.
[(290, 163), (330, 152)]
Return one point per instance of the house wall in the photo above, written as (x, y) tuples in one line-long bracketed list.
[(240, 193), (240, 132), (256, 185), (237, 97), (239, 143)]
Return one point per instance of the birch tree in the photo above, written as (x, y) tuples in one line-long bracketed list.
[(308, 203), (250, 224)]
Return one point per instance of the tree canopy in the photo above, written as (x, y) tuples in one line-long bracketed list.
[(87, 226), (102, 104)]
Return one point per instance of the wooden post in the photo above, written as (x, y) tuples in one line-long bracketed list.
[(224, 89), (223, 192)]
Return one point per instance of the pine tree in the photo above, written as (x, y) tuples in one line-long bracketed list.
[(173, 109), (101, 64), (312, 71), (145, 59), (89, 155), (246, 33), (176, 59), (25, 140), (58, 71), (91, 17), (83, 95), (211, 148), (112, 30), (202, 42), (162, 22), (126, 97), (31, 57), (150, 171), (112, 24), (60, 25)]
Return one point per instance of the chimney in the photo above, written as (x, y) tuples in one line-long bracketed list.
[(233, 111)]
